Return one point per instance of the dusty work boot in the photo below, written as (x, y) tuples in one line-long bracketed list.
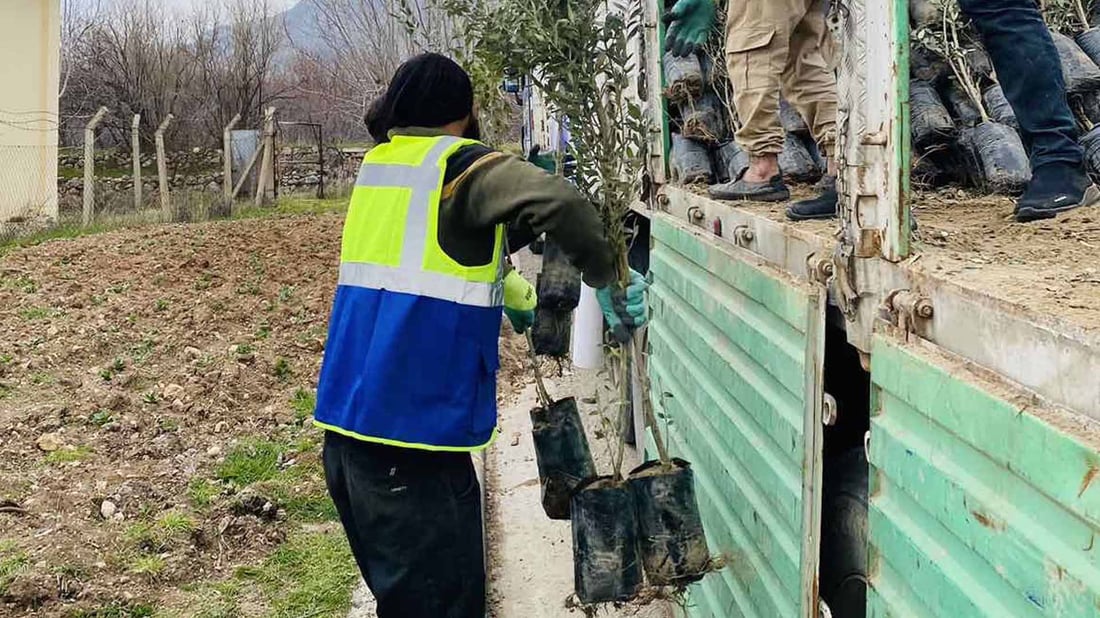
[(1055, 189), (773, 190), (821, 207)]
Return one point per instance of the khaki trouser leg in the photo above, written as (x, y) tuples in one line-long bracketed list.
[(808, 83), (758, 35)]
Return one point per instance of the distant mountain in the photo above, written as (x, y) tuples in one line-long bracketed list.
[(303, 27)]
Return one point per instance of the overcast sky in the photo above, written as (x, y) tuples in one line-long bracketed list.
[(185, 6)]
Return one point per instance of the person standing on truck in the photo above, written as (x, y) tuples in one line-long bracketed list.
[(408, 384), (1028, 68), (771, 46)]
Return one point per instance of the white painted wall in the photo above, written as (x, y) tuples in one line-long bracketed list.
[(30, 39)]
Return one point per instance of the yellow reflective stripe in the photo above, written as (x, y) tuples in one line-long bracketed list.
[(421, 283), (413, 445)]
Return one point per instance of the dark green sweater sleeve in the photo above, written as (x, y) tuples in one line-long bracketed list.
[(506, 189)]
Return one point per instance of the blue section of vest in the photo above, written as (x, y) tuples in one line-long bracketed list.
[(410, 369)]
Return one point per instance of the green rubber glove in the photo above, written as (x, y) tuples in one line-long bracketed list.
[(689, 25), (520, 300), (546, 162), (624, 310)]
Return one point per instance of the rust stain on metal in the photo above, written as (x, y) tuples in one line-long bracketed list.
[(987, 521), (1090, 476)]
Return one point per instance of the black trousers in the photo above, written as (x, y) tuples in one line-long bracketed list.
[(413, 519), (1027, 65)]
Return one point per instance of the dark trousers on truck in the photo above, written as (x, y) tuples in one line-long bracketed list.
[(1030, 73), (413, 519)]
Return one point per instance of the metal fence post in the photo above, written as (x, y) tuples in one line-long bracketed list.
[(227, 154), (89, 164), (162, 170), (135, 152)]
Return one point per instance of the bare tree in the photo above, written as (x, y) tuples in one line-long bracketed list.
[(356, 46), (235, 52)]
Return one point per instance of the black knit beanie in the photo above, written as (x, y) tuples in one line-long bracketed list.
[(428, 90)]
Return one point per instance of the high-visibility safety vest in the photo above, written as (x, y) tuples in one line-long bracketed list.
[(411, 357)]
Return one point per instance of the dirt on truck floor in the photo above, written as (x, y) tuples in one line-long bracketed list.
[(1050, 267), (155, 390)]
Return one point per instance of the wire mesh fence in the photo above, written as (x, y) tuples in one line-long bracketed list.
[(27, 197)]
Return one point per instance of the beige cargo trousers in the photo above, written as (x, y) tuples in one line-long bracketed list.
[(775, 46)]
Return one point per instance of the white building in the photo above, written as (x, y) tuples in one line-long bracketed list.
[(30, 33)]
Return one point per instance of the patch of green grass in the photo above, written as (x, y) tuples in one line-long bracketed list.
[(117, 610), (245, 349), (208, 600), (22, 283), (41, 378), (168, 425), (251, 462), (263, 332), (160, 306), (119, 288), (13, 561), (312, 574), (140, 352), (202, 492), (5, 391), (286, 293), (282, 369), (36, 313), (151, 398), (116, 367), (148, 565), (174, 524), (303, 403), (101, 418), (69, 455), (204, 282)]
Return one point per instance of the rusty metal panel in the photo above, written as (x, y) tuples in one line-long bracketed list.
[(983, 501), (873, 132), (736, 352)]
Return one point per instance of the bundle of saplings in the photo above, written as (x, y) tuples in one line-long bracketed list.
[(959, 112), (703, 120), (1078, 41)]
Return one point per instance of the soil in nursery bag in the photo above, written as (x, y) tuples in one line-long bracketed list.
[(979, 63), (730, 161), (962, 109), (551, 332), (1088, 105), (997, 158), (1081, 73), (998, 107), (796, 162), (1089, 42), (606, 564), (931, 124), (690, 161), (1090, 142), (927, 67), (683, 76), (559, 283), (703, 121), (561, 450), (791, 120), (923, 13), (670, 531)]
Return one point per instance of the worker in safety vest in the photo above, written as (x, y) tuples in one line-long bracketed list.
[(771, 46), (408, 386)]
